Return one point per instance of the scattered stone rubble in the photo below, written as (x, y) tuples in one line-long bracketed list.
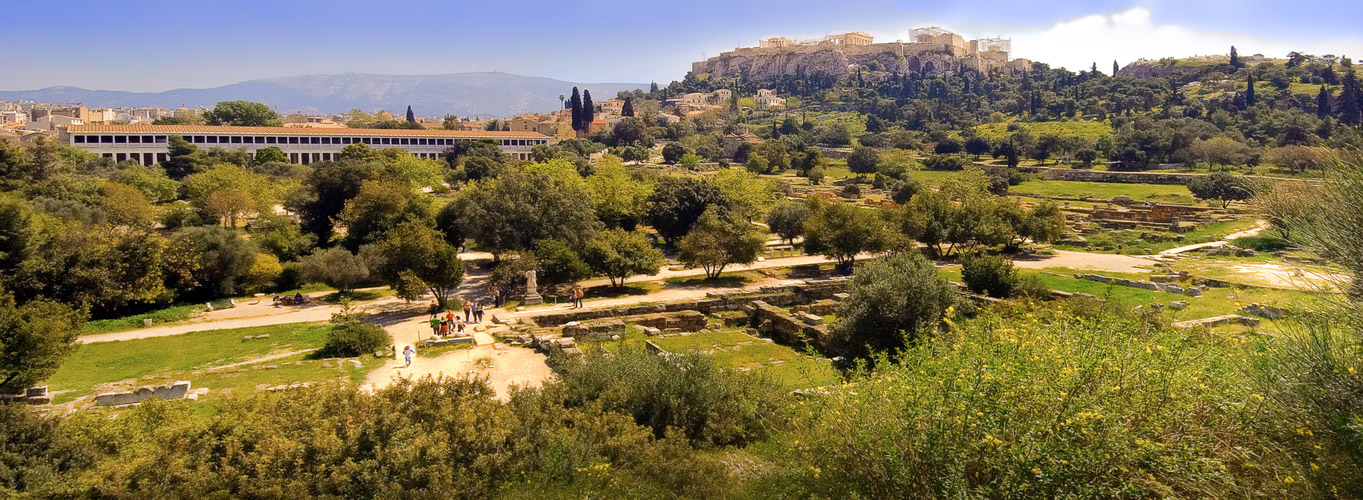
[(177, 390), (1148, 285)]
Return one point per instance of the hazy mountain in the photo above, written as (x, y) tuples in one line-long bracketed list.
[(462, 94)]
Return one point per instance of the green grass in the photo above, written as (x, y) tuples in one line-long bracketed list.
[(173, 314), (1164, 193), (1129, 242), (176, 355), (1089, 130), (735, 349)]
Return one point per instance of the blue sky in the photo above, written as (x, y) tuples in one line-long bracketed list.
[(154, 45)]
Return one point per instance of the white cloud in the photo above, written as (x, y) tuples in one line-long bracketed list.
[(1130, 34)]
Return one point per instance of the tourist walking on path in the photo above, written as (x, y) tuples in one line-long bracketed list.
[(407, 353), (478, 312), (496, 293), (577, 296), (435, 325), (468, 310)]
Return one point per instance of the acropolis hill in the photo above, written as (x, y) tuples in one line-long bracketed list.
[(932, 50)]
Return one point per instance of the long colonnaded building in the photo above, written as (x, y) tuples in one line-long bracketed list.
[(148, 144)]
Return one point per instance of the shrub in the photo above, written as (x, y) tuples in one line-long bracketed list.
[(945, 163), (688, 392), (891, 301), (991, 275), (815, 175), (353, 338), (851, 191)]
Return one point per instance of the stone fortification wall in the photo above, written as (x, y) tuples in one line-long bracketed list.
[(769, 62)]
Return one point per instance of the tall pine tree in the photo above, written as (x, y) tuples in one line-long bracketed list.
[(1323, 103), (576, 105), (1115, 67), (1250, 98), (411, 117), (588, 110), (1235, 58), (1347, 105), (628, 108)]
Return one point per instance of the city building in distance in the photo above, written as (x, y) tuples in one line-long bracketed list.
[(148, 144)]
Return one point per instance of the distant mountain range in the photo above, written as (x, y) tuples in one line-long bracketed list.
[(461, 94)]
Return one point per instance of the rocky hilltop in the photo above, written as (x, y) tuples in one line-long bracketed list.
[(773, 62)]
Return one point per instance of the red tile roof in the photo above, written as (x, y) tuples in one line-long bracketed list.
[(211, 129)]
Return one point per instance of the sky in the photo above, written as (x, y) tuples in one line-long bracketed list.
[(156, 45)]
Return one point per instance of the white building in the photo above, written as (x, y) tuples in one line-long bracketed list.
[(767, 99), (52, 122), (148, 143)]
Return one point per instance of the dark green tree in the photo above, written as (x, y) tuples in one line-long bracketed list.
[(1115, 67), (628, 108), (1323, 102), (575, 102), (208, 262), (618, 254), (892, 301), (677, 202), (1349, 104), (1235, 61), (718, 240), (243, 114), (417, 259), (34, 339), (270, 154), (1250, 98), (588, 110), (411, 117)]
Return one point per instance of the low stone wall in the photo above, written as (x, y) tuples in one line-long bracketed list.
[(686, 321), (32, 395), (786, 326), (448, 341), (781, 296), (594, 330), (178, 390), (1147, 285), (1218, 321)]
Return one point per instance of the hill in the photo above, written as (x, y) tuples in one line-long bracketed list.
[(463, 94)]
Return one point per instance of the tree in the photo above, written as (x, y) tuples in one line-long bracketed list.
[(841, 231), (1235, 61), (588, 110), (1115, 68), (677, 202), (947, 146), (673, 152), (208, 262), (977, 146), (630, 131), (1286, 204), (337, 267), (1250, 98), (719, 239), (891, 302), (270, 154), (557, 263), (281, 236), (330, 186), (1349, 104), (618, 254), (526, 204), (1086, 156), (1220, 151), (411, 117), (788, 220), (1298, 158), (451, 122), (416, 258), (18, 236), (628, 108), (1221, 186), (1323, 103), (243, 114), (240, 191), (182, 158), (620, 200), (576, 103), (34, 339), (227, 206), (863, 160), (379, 207)]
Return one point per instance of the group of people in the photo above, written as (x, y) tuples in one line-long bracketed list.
[(286, 300), (453, 324)]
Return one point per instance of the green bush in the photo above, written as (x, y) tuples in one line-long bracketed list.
[(353, 338), (708, 404), (1041, 403), (1262, 243), (991, 275), (891, 300)]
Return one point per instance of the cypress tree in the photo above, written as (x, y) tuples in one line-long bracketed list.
[(1249, 92), (653, 87), (1094, 69), (411, 117), (1347, 108), (588, 110), (628, 108), (1115, 68), (1323, 103), (1234, 58), (576, 104)]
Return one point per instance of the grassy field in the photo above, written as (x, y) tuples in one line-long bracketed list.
[(1129, 242), (177, 357), (173, 314), (735, 349), (1163, 193), (1089, 130)]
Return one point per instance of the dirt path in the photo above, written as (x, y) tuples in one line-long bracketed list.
[(1188, 248), (292, 314), (504, 366), (1085, 260)]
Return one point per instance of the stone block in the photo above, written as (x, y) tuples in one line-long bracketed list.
[(809, 318), (1178, 305)]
